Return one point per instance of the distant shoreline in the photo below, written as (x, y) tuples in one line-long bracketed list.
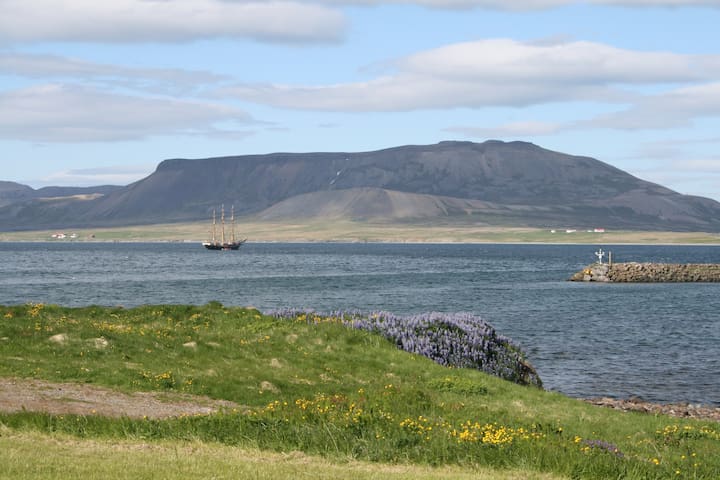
[(342, 231), (374, 242)]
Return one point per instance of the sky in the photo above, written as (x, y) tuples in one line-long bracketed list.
[(99, 92)]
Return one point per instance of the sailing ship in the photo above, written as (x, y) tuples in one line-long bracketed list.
[(223, 244)]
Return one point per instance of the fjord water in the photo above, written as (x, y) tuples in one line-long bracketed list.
[(660, 342)]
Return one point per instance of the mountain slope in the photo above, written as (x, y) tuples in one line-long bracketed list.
[(377, 204), (493, 182), (11, 192)]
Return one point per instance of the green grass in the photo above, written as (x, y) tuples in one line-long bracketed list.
[(90, 459), (319, 388), (349, 231)]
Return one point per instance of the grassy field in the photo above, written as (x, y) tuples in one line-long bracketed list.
[(347, 231), (314, 398), (66, 456)]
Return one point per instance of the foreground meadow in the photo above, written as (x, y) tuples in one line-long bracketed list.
[(300, 393)]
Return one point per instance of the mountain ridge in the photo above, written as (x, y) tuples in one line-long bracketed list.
[(493, 182)]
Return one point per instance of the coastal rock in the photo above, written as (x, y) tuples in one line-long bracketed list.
[(634, 272), (60, 338), (266, 386), (593, 273), (680, 410)]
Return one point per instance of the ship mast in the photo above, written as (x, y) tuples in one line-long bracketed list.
[(213, 228), (222, 222), (232, 221)]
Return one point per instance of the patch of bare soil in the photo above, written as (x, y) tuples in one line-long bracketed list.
[(681, 410), (31, 395)]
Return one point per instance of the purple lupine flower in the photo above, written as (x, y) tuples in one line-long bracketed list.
[(458, 340), (604, 446)]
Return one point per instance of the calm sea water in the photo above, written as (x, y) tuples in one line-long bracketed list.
[(657, 341)]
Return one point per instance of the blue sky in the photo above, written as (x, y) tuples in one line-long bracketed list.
[(98, 92)]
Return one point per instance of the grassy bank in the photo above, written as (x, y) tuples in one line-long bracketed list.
[(347, 231), (311, 385)]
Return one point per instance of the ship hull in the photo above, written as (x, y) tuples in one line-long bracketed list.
[(223, 246)]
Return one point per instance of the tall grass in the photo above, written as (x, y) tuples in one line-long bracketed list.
[(328, 390)]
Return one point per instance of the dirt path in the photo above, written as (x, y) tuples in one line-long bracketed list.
[(82, 399), (17, 395)]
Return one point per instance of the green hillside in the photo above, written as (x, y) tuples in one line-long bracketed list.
[(345, 400)]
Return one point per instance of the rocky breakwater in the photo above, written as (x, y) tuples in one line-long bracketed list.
[(649, 272), (681, 410)]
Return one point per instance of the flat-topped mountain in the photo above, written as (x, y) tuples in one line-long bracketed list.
[(498, 183)]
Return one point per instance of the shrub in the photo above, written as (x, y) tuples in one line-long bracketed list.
[(458, 340)]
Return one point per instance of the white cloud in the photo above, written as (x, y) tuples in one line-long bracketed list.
[(110, 175), (524, 5), (509, 130), (457, 4), (685, 173), (706, 165), (167, 20), (132, 21), (56, 113), (167, 80), (496, 72), (407, 92), (658, 3), (563, 62), (671, 109)]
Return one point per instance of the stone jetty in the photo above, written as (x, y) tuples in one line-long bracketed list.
[(634, 272)]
